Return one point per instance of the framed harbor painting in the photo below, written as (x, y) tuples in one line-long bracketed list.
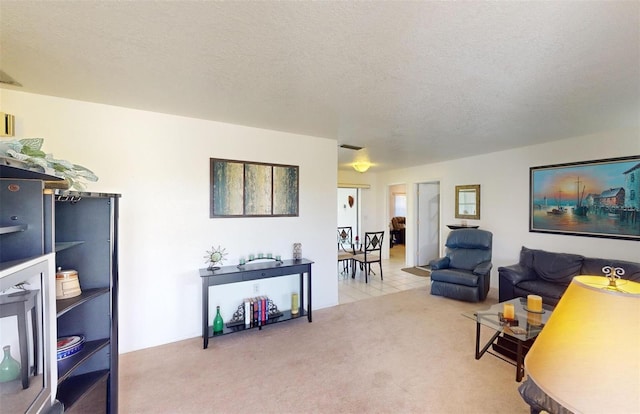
[(253, 189), (599, 198)]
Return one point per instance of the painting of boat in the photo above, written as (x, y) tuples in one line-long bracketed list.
[(580, 209), (560, 210), (599, 198)]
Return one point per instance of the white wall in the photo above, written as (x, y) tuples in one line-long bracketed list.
[(373, 213), (504, 180), (160, 165)]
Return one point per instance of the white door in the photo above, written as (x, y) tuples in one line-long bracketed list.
[(428, 222)]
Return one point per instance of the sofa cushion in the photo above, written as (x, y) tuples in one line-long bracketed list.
[(455, 276), (526, 257), (468, 259), (542, 288), (557, 267)]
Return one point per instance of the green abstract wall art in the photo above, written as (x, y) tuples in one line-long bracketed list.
[(253, 189)]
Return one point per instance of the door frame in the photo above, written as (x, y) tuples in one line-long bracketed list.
[(419, 222)]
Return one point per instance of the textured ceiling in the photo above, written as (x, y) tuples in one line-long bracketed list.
[(412, 82)]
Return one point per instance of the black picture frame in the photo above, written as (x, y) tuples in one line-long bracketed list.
[(598, 198), (253, 189)]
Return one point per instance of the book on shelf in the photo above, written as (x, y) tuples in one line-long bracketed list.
[(247, 310), (256, 307)]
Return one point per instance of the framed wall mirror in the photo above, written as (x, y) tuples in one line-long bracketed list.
[(468, 202)]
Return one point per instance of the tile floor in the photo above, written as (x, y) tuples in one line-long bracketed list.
[(395, 280)]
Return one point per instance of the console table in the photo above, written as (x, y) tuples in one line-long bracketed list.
[(18, 304), (254, 271)]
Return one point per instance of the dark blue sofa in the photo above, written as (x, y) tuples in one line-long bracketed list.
[(548, 274)]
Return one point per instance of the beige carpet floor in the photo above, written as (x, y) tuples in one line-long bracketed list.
[(407, 352)]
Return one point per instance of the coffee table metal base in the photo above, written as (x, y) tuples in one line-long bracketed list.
[(519, 363)]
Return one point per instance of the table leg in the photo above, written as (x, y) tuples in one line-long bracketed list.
[(24, 349), (34, 335), (309, 294), (519, 363), (301, 295), (205, 312), (479, 352)]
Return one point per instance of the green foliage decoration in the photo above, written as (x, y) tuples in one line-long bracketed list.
[(30, 151)]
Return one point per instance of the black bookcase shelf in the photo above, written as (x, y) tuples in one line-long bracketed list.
[(68, 365), (86, 237), (81, 228), (74, 388), (65, 305), (12, 228), (67, 245)]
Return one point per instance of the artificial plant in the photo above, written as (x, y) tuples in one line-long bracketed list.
[(29, 150)]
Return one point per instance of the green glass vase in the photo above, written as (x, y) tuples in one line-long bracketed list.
[(9, 367), (218, 323)]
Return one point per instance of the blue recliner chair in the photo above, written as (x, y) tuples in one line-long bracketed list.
[(465, 272)]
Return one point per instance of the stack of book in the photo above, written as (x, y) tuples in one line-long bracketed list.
[(256, 311), (253, 312)]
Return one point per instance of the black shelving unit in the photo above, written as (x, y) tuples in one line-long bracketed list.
[(86, 240), (25, 258)]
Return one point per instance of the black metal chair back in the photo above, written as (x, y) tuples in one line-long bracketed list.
[(345, 237), (371, 253)]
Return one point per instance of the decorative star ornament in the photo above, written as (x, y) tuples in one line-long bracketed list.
[(215, 256)]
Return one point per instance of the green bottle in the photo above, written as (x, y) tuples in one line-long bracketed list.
[(218, 323), (9, 367)]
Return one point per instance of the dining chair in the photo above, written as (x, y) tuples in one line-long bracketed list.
[(371, 253), (345, 248)]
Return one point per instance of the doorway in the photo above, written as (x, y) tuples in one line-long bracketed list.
[(349, 209), (428, 223)]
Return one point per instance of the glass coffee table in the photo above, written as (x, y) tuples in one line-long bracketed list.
[(519, 332)]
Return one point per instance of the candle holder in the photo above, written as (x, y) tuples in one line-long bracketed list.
[(507, 321), (252, 258)]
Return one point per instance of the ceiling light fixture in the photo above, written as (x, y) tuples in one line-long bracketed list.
[(361, 166)]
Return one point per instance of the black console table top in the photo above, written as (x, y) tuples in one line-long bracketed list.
[(254, 271)]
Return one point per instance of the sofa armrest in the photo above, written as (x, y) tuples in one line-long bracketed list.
[(483, 268), (515, 274), (441, 263), (509, 277)]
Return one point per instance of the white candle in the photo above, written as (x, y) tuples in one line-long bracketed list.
[(508, 311), (534, 303), (294, 304)]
